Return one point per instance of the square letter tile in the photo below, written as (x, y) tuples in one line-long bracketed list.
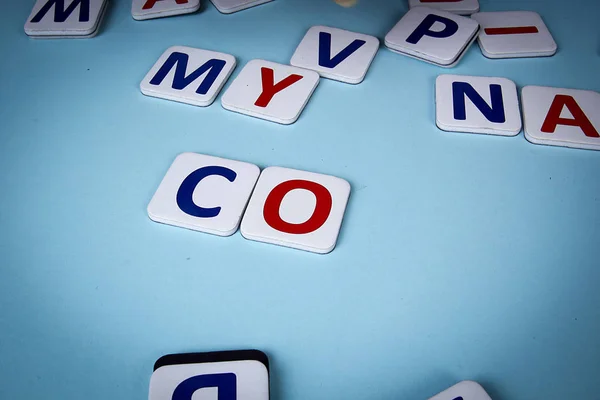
[(188, 75), (270, 91), (461, 7), (477, 104), (297, 209), (231, 6), (435, 36), (510, 34), (148, 9), (228, 375), (336, 54), (465, 390), (65, 18), (204, 193), (561, 117)]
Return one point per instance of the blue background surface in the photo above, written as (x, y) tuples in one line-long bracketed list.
[(460, 257)]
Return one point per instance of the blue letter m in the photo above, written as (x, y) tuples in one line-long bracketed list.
[(495, 113), (181, 81), (225, 384), (60, 14)]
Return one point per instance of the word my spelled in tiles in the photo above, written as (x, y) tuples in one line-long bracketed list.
[(242, 375)]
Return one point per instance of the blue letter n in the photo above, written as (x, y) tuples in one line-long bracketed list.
[(325, 50), (225, 384), (181, 81), (461, 90), (60, 14)]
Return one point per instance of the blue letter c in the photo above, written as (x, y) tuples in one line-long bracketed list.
[(185, 193)]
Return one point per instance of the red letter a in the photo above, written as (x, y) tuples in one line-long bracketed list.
[(150, 3), (579, 118)]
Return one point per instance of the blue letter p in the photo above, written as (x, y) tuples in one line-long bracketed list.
[(424, 29)]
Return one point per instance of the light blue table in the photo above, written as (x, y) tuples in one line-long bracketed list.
[(461, 256)]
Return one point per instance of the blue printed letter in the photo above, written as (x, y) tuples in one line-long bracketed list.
[(225, 384), (424, 29), (60, 14), (180, 81), (185, 193), (325, 51), (461, 90)]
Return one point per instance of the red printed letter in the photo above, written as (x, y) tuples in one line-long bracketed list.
[(269, 87), (579, 118), (150, 3), (318, 218)]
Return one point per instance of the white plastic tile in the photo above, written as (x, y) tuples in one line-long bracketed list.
[(188, 75), (65, 19), (204, 193), (231, 6), (435, 36), (204, 376), (297, 209), (461, 7), (270, 91), (148, 9), (477, 104), (465, 390), (336, 53), (510, 34), (561, 117)]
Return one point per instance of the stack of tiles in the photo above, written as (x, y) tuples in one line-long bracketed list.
[(53, 19), (226, 375), (434, 36), (465, 390), (512, 34), (460, 7), (149, 9), (231, 6)]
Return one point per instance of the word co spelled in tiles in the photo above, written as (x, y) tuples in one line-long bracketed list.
[(55, 19), (461, 7), (477, 105), (231, 6), (336, 54), (465, 390), (291, 208), (148, 9), (514, 34), (434, 36), (270, 91), (562, 117), (176, 70), (226, 375)]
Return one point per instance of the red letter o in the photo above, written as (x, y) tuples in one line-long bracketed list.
[(317, 219)]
